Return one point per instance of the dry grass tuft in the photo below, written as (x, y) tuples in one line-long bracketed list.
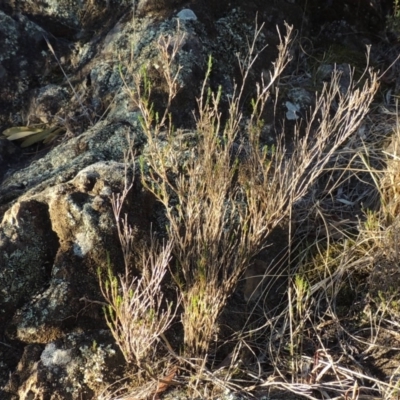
[(223, 192), (136, 311)]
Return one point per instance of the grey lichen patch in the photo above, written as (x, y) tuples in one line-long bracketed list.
[(67, 10), (60, 362), (234, 37), (64, 15), (96, 360), (20, 274), (111, 141), (8, 31), (73, 367), (52, 356), (83, 244), (42, 318), (144, 44)]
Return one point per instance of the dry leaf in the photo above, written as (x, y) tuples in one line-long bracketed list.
[(32, 135)]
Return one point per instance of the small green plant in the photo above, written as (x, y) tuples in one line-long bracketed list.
[(299, 308), (388, 302)]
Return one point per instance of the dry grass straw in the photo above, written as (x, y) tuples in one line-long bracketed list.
[(217, 225), (136, 312), (223, 193), (216, 221), (300, 328)]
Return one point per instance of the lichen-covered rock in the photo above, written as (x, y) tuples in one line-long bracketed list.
[(59, 237), (24, 62), (148, 6), (71, 368), (9, 153), (28, 246), (65, 18), (46, 106), (106, 141), (52, 244)]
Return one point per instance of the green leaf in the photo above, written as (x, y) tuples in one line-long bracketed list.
[(37, 137)]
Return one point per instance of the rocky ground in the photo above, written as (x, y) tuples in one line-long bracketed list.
[(63, 65)]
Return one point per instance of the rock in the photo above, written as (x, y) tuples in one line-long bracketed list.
[(23, 60), (9, 153), (28, 246), (70, 368), (186, 15), (148, 6), (48, 105)]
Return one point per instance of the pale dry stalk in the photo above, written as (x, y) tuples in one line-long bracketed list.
[(136, 311), (211, 228)]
